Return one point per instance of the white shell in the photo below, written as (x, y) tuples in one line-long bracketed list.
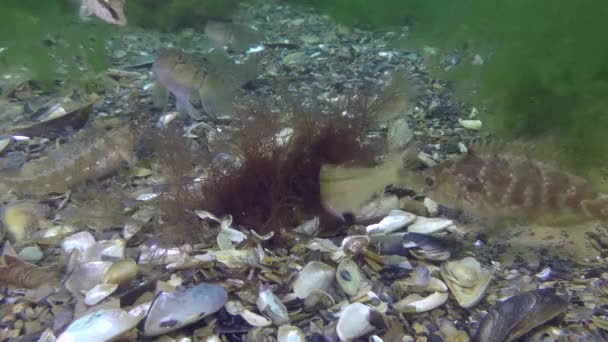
[(416, 303), (270, 305), (99, 293), (470, 124), (80, 241), (229, 237), (87, 275), (290, 333), (429, 225), (173, 310), (396, 220), (314, 276), (467, 280), (102, 325), (354, 322), (349, 277)]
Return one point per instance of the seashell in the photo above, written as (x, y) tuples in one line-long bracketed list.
[(4, 142), (55, 118), (232, 258), (31, 254), (79, 241), (356, 244), (470, 124), (318, 299), (86, 275), (99, 293), (270, 305), (396, 220), (467, 280), (314, 276), (420, 281), (308, 228), (349, 276), (416, 303), (290, 333), (173, 310), (228, 237), (423, 246), (51, 236), (236, 308), (514, 317), (120, 272), (106, 250), (102, 325), (429, 225), (354, 322), (156, 255)]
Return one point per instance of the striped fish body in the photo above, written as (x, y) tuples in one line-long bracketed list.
[(502, 185)]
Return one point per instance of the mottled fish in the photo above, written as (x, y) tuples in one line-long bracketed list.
[(235, 37), (211, 78), (110, 11), (487, 183)]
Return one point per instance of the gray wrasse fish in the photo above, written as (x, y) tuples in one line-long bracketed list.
[(486, 182), (211, 78)]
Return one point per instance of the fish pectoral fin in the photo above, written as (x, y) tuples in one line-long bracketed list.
[(185, 107), (160, 96), (216, 103)]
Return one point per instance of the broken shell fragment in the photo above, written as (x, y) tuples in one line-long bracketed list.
[(290, 333), (354, 322), (236, 308), (102, 325), (416, 303), (314, 276), (467, 280), (349, 277), (229, 237), (423, 246), (429, 225), (396, 220), (80, 241), (86, 275), (514, 317), (270, 305), (173, 310), (120, 272), (99, 293)]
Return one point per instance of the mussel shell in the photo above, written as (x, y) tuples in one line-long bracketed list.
[(173, 310), (514, 317), (426, 247)]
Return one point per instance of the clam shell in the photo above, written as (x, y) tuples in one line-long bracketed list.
[(349, 276), (514, 317), (429, 225), (99, 293), (354, 322), (270, 305), (396, 220), (86, 275), (415, 303), (290, 333), (314, 276), (171, 311), (467, 280), (120, 272), (102, 325)]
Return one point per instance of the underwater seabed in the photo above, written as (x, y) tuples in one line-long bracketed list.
[(130, 213), (533, 243)]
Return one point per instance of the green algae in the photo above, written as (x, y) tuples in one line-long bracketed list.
[(544, 70), (173, 15), (47, 39)]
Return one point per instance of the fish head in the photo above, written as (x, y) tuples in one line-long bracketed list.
[(178, 71), (110, 11)]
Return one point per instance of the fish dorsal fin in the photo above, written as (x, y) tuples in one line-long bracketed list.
[(543, 150)]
